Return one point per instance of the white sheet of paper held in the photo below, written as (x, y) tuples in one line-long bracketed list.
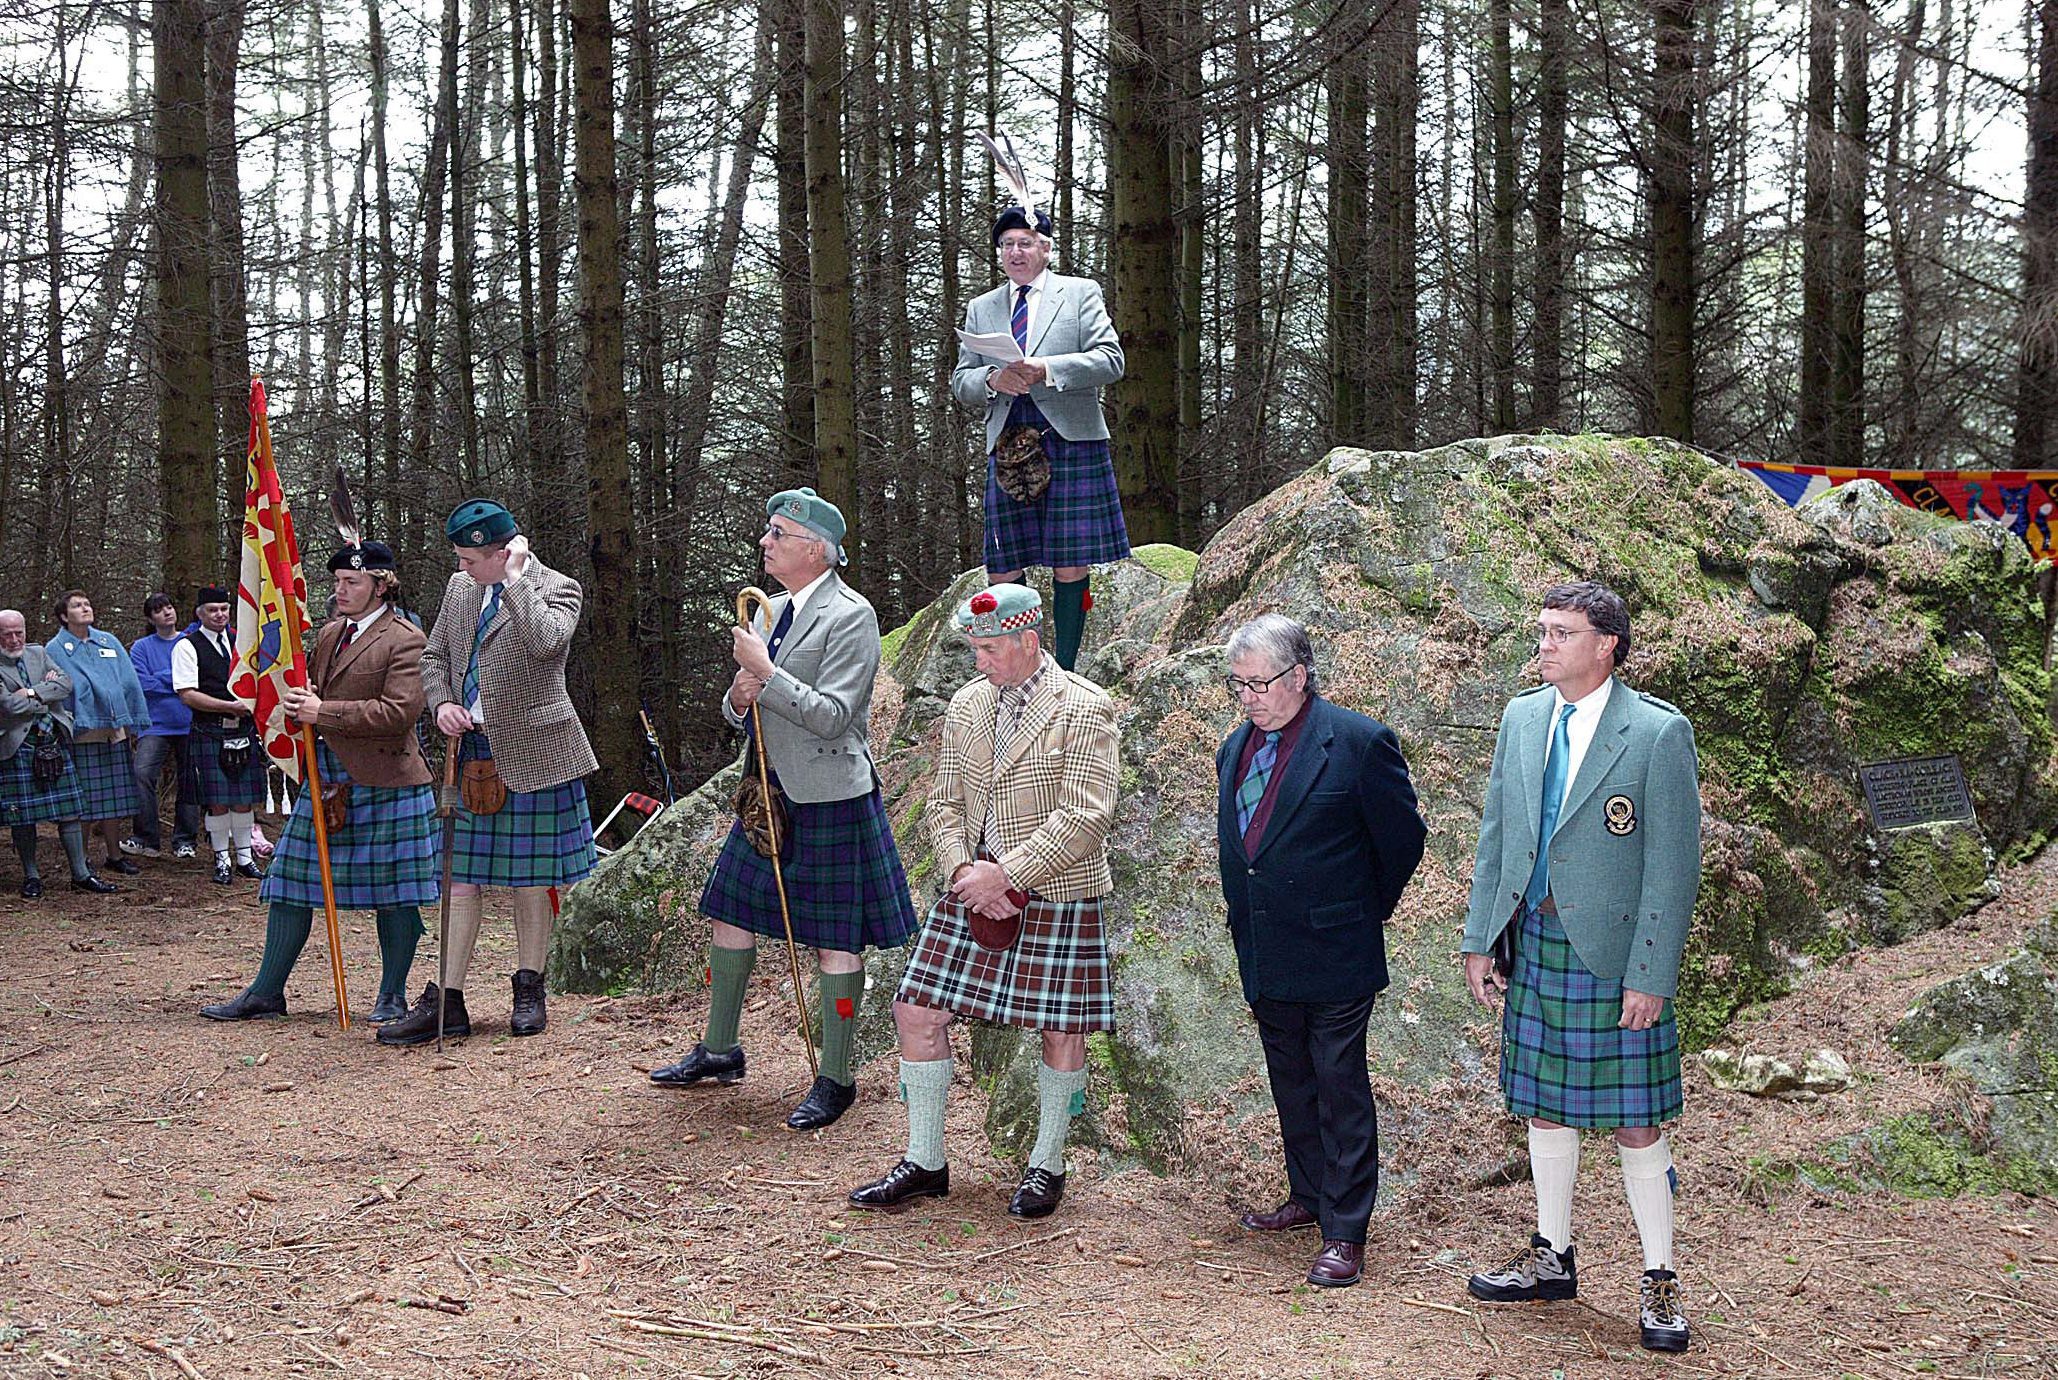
[(1000, 345)]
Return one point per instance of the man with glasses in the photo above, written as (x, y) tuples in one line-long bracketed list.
[(1589, 861), (1046, 398), (1317, 835), (810, 676)]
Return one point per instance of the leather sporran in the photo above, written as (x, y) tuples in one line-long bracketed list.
[(480, 787), (999, 935), (46, 766), (765, 817), (1020, 466), (235, 756), (335, 806)]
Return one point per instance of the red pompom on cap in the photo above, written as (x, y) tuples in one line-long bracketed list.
[(984, 602)]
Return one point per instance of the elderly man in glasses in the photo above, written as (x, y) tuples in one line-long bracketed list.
[(1318, 834)]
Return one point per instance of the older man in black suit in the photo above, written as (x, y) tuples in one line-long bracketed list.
[(1318, 835)]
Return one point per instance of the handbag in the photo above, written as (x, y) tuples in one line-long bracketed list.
[(998, 935), (235, 756), (480, 787), (765, 818), (335, 806), (1020, 466)]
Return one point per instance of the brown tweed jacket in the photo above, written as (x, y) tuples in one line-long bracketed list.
[(1053, 796), (536, 735), (371, 697)]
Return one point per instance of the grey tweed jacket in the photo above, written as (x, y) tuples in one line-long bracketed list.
[(16, 718), (817, 707)]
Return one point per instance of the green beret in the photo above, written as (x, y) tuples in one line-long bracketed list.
[(1000, 611), (811, 511), (479, 522)]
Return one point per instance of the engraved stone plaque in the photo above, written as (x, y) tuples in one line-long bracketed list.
[(1914, 791)]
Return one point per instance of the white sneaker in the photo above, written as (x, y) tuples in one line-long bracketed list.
[(1662, 1318), (1534, 1272), (136, 848), (185, 850)]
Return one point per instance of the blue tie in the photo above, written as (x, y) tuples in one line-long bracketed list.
[(471, 672), (1019, 322), (779, 631), (1553, 798), (1252, 791)]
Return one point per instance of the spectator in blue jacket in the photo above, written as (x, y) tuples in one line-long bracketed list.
[(108, 712), (164, 742)]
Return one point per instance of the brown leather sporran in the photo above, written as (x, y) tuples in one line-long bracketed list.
[(764, 817), (1020, 466), (480, 787)]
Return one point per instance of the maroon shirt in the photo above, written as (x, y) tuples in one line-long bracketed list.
[(1283, 750)]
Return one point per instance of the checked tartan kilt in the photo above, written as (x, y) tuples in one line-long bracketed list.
[(107, 780), (844, 883), (22, 801), (217, 787), (1055, 978), (538, 838), (1077, 522), (1563, 1055), (385, 856)]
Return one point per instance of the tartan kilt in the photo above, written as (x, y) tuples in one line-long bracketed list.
[(1564, 1056), (538, 838), (385, 856), (107, 780), (1078, 521), (1055, 978), (217, 787), (23, 801), (844, 883)]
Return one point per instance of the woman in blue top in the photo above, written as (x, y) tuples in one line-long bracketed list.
[(108, 712)]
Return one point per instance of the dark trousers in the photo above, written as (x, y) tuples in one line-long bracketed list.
[(152, 754), (1315, 1057)]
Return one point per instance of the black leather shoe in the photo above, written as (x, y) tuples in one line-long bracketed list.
[(1288, 1216), (825, 1101), (91, 883), (250, 870), (126, 866), (1339, 1265), (903, 1183), (418, 1026), (1038, 1195), (221, 870), (529, 1017), (391, 1006), (31, 888), (244, 1007), (701, 1062)]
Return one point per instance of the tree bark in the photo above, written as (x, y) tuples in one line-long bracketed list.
[(1547, 386), (1818, 234), (1502, 336), (1349, 301), (228, 289), (187, 473), (796, 311), (2036, 390), (1392, 378), (1853, 161), (836, 438), (1675, 98)]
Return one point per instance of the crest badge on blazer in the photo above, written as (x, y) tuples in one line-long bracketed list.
[(1620, 813)]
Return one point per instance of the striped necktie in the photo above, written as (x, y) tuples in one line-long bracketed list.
[(1553, 800), (1019, 322), (471, 672), (1254, 782)]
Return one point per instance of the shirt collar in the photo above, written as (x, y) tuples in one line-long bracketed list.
[(1026, 691), (807, 592), (1036, 285), (370, 618), (1590, 706)]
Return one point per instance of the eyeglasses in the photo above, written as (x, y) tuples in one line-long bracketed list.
[(1018, 244), (1236, 685), (1558, 637), (781, 534)]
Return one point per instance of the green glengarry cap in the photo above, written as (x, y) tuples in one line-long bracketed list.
[(1000, 611), (479, 522)]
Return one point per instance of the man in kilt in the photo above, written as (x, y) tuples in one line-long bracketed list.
[(108, 711), (1048, 399), (33, 722), (1589, 861), (363, 697), (228, 762), (494, 672), (810, 676), (1018, 816)]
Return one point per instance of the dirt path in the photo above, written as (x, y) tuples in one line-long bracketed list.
[(179, 1198)]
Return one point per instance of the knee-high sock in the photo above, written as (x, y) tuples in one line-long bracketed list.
[(218, 833), (1068, 598), (400, 930), (1647, 1181), (239, 832), (532, 927), (925, 1087), (842, 995), (73, 835), (1553, 1165), (285, 935), (464, 935), (25, 848), (729, 977), (1059, 1098)]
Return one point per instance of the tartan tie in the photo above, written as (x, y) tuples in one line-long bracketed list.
[(1553, 798), (1254, 782), (1019, 322), (471, 672)]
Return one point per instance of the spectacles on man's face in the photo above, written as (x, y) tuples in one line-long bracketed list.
[(1236, 685), (1558, 636), (1018, 246), (781, 534)]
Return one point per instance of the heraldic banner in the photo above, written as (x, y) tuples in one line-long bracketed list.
[(270, 592), (2020, 500)]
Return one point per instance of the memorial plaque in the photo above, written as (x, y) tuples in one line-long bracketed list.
[(1915, 791)]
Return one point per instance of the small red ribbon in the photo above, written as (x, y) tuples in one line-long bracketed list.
[(846, 1008), (1085, 600)]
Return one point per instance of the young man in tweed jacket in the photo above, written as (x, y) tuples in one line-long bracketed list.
[(1019, 817)]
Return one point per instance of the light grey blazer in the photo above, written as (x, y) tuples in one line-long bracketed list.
[(816, 710), (52, 694), (1074, 339)]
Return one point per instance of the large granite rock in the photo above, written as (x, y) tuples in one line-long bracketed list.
[(1801, 644)]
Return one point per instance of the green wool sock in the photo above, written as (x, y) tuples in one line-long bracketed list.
[(25, 849), (1059, 1098), (73, 835), (730, 972), (925, 1087), (400, 929), (842, 995), (285, 935), (1069, 599)]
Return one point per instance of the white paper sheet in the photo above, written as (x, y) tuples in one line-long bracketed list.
[(1000, 345)]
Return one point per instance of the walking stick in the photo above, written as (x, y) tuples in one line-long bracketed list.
[(312, 789), (752, 595), (446, 806)]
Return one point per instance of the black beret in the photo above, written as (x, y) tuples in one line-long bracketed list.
[(1015, 218), (213, 594), (371, 555)]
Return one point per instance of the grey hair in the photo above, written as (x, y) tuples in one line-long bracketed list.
[(1281, 641)]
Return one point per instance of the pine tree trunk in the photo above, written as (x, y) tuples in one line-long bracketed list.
[(1853, 161), (418, 534), (1502, 339), (1818, 235), (1671, 196), (386, 487), (796, 310), (2036, 390), (836, 438), (187, 473), (1392, 383), (1546, 403), (228, 288), (1349, 304)]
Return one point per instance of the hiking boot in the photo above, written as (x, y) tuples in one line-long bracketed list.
[(1662, 1319), (418, 1026), (528, 1017), (1534, 1272)]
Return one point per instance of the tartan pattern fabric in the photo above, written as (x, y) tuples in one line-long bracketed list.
[(218, 787), (22, 801), (1055, 978), (538, 838), (1077, 522), (845, 886), (385, 856), (107, 780), (1563, 1055), (1252, 789)]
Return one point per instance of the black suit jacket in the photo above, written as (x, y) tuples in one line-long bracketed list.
[(1308, 912)]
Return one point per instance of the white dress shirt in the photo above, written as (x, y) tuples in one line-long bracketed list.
[(1586, 717), (185, 667)]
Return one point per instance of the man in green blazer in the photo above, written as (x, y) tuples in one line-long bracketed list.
[(1582, 893)]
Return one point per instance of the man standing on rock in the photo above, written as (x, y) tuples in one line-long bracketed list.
[(1589, 861), (1317, 833), (1018, 816), (810, 678)]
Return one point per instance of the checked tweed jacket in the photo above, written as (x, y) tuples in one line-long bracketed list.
[(371, 697), (537, 739), (1053, 795)]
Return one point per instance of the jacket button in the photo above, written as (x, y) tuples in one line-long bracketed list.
[(1252, 872), (1647, 943)]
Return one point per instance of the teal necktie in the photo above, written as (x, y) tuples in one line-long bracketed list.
[(1553, 798), (471, 672), (1254, 781)]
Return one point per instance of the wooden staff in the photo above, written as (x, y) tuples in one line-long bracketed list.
[(752, 595), (321, 826), (446, 806)]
